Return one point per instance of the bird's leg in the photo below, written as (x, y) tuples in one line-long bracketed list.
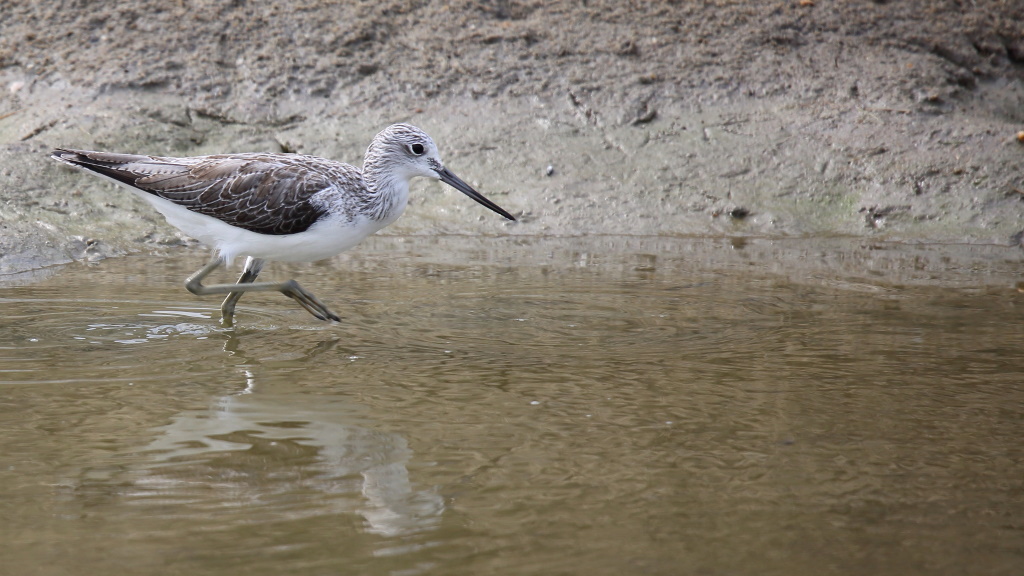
[(252, 269), (289, 288), (194, 283)]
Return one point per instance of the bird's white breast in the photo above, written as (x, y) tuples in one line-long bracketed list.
[(328, 237)]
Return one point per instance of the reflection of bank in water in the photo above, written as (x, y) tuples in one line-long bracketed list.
[(258, 457)]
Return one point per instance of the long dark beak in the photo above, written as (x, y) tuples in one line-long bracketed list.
[(454, 181)]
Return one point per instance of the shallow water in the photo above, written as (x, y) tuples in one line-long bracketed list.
[(522, 406)]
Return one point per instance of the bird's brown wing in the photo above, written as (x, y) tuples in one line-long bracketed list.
[(265, 193)]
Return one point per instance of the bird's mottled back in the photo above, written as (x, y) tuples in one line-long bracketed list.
[(265, 193)]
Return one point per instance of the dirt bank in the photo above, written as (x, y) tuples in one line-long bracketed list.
[(894, 120)]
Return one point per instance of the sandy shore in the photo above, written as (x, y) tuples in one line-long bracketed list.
[(889, 120)]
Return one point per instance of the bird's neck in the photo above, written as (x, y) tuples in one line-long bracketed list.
[(389, 190)]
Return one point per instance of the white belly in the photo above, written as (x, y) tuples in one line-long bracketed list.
[(326, 238)]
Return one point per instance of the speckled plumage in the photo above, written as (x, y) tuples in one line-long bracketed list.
[(264, 193)]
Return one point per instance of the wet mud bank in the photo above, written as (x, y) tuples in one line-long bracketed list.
[(889, 122)]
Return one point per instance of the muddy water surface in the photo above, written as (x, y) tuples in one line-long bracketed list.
[(522, 406)]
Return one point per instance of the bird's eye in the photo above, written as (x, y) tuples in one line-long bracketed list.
[(416, 149)]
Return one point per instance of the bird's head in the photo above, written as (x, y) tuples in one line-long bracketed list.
[(405, 151)]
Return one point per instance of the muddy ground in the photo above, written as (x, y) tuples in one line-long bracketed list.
[(892, 120)]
